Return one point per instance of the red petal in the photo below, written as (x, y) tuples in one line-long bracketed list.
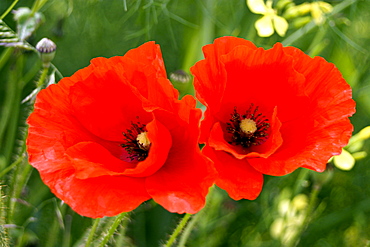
[(144, 69), (210, 73), (92, 160), (161, 143), (97, 197), (324, 130), (217, 141), (266, 79), (182, 183), (106, 106), (237, 177), (53, 129), (312, 99)]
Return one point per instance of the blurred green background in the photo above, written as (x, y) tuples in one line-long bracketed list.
[(300, 209)]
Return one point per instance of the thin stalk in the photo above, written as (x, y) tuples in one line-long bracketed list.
[(38, 5), (112, 229), (14, 164), (42, 78), (9, 9), (92, 232), (67, 231), (5, 55), (188, 229), (20, 179), (178, 230), (302, 176), (121, 239), (30, 74)]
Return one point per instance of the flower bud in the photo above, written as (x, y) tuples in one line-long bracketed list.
[(180, 76), (46, 48)]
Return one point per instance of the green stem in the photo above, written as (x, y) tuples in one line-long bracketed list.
[(189, 228), (178, 229), (9, 9), (20, 179), (92, 232), (42, 78), (112, 229), (5, 55), (14, 164), (312, 204), (37, 5), (302, 176)]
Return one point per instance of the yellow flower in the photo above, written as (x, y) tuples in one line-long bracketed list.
[(317, 9), (270, 21)]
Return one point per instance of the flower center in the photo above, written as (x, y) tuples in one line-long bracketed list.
[(136, 142), (249, 129), (143, 140), (248, 126)]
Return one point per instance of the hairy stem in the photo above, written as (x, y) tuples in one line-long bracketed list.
[(178, 229)]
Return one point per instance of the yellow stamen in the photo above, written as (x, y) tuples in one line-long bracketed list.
[(248, 126), (143, 140)]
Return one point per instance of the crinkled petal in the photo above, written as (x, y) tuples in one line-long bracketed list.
[(237, 177), (312, 99), (144, 69), (161, 142), (182, 184), (248, 83), (325, 122), (53, 129), (210, 73), (100, 196), (183, 181), (218, 141), (105, 106), (92, 160)]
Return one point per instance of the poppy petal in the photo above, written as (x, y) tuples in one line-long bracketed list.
[(182, 186), (211, 74), (99, 105), (330, 106), (237, 177), (218, 142), (183, 181), (100, 196), (309, 98), (92, 160), (161, 143)]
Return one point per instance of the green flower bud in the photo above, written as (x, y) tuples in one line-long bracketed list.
[(46, 48)]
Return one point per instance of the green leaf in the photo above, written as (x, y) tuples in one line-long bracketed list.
[(9, 38), (27, 22)]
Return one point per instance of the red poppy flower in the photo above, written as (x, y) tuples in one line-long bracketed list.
[(114, 135), (269, 112)]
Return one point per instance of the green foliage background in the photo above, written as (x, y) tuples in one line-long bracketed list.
[(82, 30)]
